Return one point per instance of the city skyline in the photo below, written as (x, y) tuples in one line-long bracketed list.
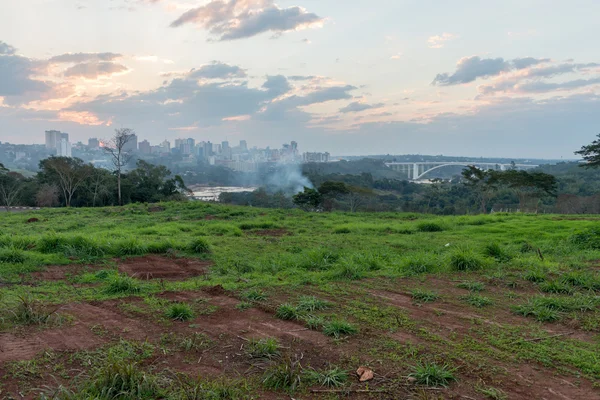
[(359, 79)]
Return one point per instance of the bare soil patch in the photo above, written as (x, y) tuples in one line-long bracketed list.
[(61, 272), (158, 267)]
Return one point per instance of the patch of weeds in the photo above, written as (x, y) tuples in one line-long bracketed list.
[(263, 348), (314, 322), (492, 393), (418, 264), (130, 247), (311, 304), (12, 255), (429, 227), (535, 275), (496, 251), (243, 305), (318, 260), (588, 239), (287, 312), (29, 311), (122, 380), (180, 312), (338, 328), (472, 286), (332, 377), (255, 295), (556, 286), (199, 246), (286, 376), (477, 300), (121, 284), (549, 308), (341, 230), (350, 271), (196, 341), (424, 296), (465, 259), (433, 375)]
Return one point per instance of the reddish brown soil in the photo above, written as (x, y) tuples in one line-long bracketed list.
[(158, 267), (61, 272), (30, 220), (272, 232)]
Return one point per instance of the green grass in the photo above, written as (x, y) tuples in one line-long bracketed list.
[(424, 296), (341, 279), (433, 375), (263, 348), (180, 312)]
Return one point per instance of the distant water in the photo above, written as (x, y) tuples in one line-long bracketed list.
[(212, 193)]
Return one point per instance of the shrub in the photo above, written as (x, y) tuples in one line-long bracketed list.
[(464, 259), (180, 312), (122, 284), (429, 227), (287, 311), (431, 374), (263, 348), (424, 296), (338, 328), (333, 377), (199, 246)]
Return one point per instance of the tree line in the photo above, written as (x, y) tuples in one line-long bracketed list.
[(64, 181)]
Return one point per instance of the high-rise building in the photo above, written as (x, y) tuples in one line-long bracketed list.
[(93, 143), (243, 145), (64, 148), (54, 138), (145, 147), (166, 146), (132, 144)]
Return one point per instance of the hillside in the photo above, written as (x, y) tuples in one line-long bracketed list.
[(204, 301)]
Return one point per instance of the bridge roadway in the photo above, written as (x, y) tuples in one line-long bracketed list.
[(416, 170)]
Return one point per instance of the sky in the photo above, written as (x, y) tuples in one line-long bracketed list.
[(511, 78)]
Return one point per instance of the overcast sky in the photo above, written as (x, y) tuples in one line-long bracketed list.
[(514, 78)]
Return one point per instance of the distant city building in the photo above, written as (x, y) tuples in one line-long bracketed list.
[(315, 157), (132, 144), (166, 146), (144, 147), (64, 148), (93, 143), (54, 139), (243, 145)]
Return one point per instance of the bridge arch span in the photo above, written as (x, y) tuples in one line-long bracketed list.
[(454, 164)]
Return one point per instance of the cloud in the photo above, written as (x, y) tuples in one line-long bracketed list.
[(358, 107), (217, 70), (438, 41), (17, 77), (75, 58), (5, 48), (542, 87), (277, 85), (237, 19), (469, 69), (95, 69), (521, 63)]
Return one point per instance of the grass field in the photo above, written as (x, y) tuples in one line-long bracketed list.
[(202, 301)]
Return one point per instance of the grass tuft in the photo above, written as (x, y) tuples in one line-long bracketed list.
[(433, 375), (180, 312), (287, 312), (121, 284), (465, 259), (424, 296), (338, 328), (263, 348)]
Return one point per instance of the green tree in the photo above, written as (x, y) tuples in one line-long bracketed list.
[(308, 200), (10, 187), (482, 182), (68, 174), (591, 154)]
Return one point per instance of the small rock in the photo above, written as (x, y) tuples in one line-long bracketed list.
[(410, 379), (364, 374)]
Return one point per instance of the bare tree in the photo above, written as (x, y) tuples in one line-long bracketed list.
[(10, 187), (120, 157), (69, 174)]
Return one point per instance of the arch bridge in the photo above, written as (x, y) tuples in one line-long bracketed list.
[(417, 170)]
